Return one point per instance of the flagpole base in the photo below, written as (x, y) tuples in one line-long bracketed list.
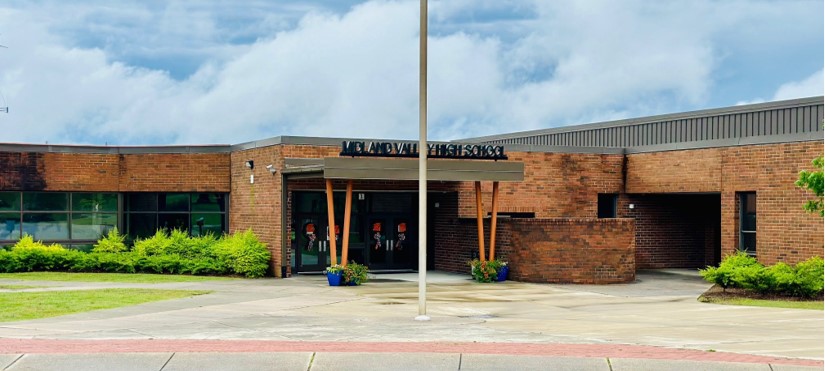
[(422, 317)]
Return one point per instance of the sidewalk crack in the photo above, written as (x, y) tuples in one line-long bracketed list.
[(311, 359), (13, 362), (167, 361)]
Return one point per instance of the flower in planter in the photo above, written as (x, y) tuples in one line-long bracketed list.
[(334, 269), (355, 273), (486, 271)]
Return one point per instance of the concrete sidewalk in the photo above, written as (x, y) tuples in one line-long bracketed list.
[(312, 361), (659, 312)]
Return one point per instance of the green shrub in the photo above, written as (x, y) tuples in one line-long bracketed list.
[(355, 273), (810, 277), (116, 262), (725, 274), (34, 255), (783, 277), (484, 271), (113, 242), (243, 253), (754, 277), (806, 279), (155, 245)]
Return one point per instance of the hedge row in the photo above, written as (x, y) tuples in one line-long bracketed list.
[(175, 253), (743, 271)]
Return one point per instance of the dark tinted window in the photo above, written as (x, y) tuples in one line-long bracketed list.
[(173, 202), (42, 201), (142, 202), (9, 201), (607, 205)]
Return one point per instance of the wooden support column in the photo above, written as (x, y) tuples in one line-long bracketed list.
[(481, 253), (493, 222), (347, 212), (333, 251)]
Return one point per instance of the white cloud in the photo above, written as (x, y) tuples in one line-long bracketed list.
[(354, 73), (809, 87)]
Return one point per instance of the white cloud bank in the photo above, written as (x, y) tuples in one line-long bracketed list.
[(355, 75)]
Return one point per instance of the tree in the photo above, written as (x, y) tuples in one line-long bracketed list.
[(812, 180)]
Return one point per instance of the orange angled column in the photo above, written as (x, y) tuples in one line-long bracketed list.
[(481, 254), (333, 251), (347, 212), (493, 222)]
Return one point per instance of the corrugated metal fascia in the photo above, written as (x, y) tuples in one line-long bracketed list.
[(731, 142), (758, 107)]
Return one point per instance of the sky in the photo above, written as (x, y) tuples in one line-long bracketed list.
[(149, 72)]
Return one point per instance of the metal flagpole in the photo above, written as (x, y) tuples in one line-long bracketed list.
[(423, 150)]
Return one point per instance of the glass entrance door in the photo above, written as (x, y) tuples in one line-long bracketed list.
[(312, 244), (393, 242), (383, 230)]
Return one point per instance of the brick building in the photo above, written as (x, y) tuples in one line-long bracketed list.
[(590, 203)]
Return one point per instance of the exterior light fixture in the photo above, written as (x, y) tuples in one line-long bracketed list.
[(631, 206), (271, 169), (250, 164)]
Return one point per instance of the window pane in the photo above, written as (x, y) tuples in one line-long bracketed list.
[(748, 205), (9, 201), (45, 201), (208, 202), (311, 202), (94, 202), (9, 226), (141, 225), (142, 202), (607, 206), (173, 221), (45, 227), (208, 223), (173, 202), (92, 226), (749, 202), (749, 242)]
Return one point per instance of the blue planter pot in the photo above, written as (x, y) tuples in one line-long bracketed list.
[(335, 279), (502, 273)]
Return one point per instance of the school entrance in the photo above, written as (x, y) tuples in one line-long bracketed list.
[(382, 234)]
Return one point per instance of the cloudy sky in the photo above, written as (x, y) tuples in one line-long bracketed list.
[(198, 72)]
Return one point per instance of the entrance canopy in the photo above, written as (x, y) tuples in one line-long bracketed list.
[(404, 169)]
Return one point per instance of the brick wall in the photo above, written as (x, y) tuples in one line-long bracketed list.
[(555, 185), (675, 171), (207, 172), (563, 250), (674, 230), (784, 231), (257, 206)]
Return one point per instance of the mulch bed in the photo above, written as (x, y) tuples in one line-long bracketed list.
[(716, 292)]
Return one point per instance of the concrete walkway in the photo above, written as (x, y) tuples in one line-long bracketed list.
[(302, 319)]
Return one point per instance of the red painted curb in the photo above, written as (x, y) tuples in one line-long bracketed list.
[(8, 346)]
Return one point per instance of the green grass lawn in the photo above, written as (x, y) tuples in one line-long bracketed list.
[(108, 277), (18, 287), (818, 305), (19, 306)]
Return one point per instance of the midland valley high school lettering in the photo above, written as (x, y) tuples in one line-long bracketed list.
[(401, 149)]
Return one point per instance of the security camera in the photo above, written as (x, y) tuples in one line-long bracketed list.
[(250, 164), (271, 169)]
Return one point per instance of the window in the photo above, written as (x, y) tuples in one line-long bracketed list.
[(747, 222), (57, 216), (607, 205), (196, 213)]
